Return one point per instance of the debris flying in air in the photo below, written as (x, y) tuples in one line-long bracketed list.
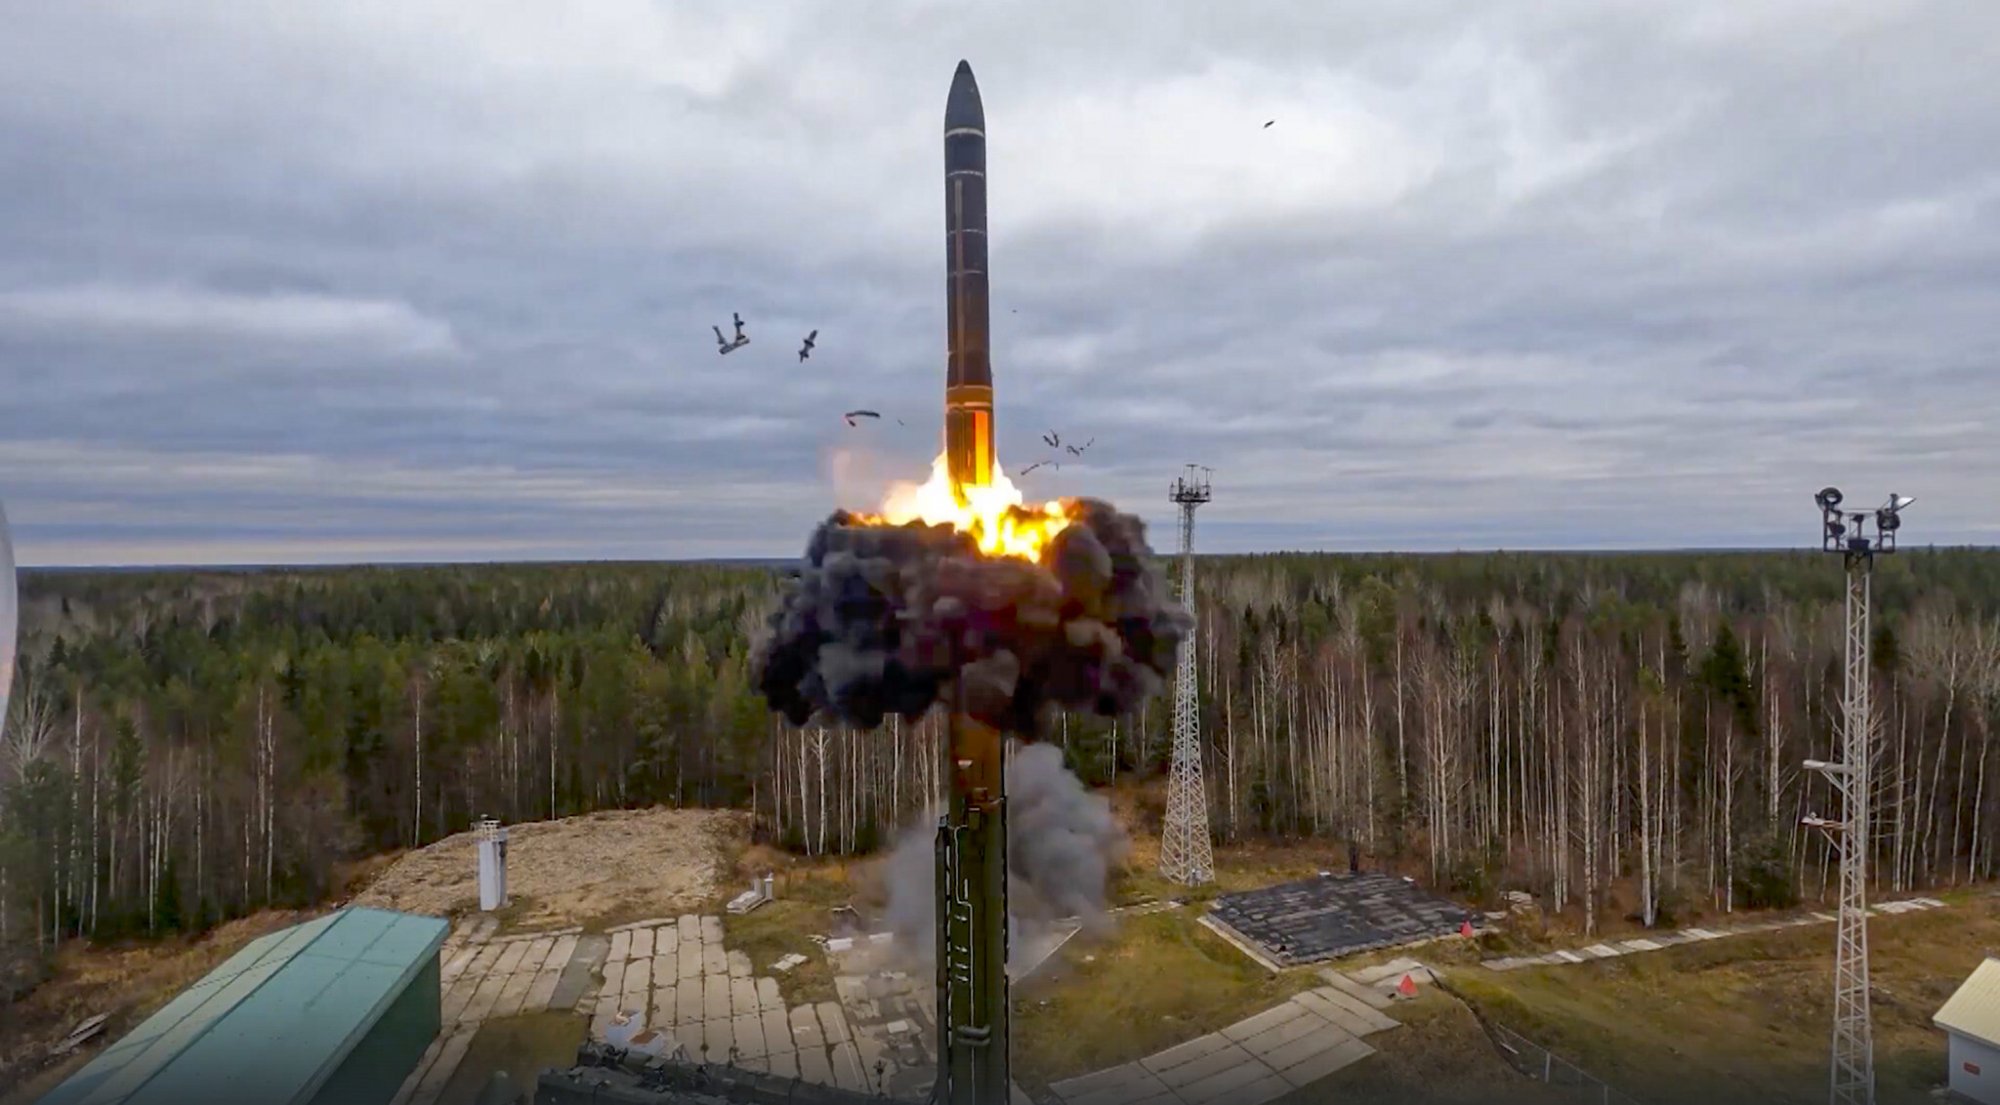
[(806, 349), (884, 620), (1267, 126), (1077, 450), (1052, 438), (724, 345), (852, 415)]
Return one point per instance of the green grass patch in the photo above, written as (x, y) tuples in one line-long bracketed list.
[(522, 1046), (772, 931), (1745, 1018), (1158, 980)]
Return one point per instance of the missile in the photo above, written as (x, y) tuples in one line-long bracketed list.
[(968, 388)]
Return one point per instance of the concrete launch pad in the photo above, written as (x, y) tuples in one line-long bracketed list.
[(1334, 915)]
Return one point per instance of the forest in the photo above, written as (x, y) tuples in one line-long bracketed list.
[(187, 746)]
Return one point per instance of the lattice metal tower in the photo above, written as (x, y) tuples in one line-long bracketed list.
[(1852, 1075), (1186, 856)]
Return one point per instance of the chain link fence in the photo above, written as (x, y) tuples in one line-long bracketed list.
[(1543, 1065)]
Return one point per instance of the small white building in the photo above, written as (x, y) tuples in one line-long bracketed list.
[(1971, 1021)]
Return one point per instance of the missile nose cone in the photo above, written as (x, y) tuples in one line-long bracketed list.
[(962, 108)]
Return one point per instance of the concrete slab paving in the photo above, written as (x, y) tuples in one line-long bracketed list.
[(714, 960), (847, 1073), (638, 976), (714, 997), (1186, 1053), (687, 957), (742, 996), (717, 1036), (1370, 1016), (1268, 1087), (1218, 1085), (711, 930), (1305, 1024), (513, 995), (784, 1064), (815, 1067), (1269, 1018), (748, 1031), (1336, 1015), (806, 1033), (833, 1022), (538, 950), (739, 964), (543, 988), (642, 944), (1288, 1055), (511, 957), (1338, 1057), (482, 964), (621, 947), (1180, 1078), (483, 999), (1358, 990), (768, 996), (455, 964), (578, 974), (687, 1002), (777, 1030), (1074, 1089)]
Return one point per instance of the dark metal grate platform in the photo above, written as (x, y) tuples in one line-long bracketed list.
[(1335, 915)]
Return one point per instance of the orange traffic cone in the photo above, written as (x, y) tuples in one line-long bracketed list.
[(1465, 928), (1407, 987)]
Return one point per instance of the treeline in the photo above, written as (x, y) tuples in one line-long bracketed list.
[(188, 746)]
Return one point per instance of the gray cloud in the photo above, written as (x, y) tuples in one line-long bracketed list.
[(388, 280)]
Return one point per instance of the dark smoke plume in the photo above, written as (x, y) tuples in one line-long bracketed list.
[(1062, 842), (887, 620)]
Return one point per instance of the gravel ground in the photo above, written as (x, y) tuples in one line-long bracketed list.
[(600, 867)]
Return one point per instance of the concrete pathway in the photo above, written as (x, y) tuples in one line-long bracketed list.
[(1655, 941), (1252, 1061)]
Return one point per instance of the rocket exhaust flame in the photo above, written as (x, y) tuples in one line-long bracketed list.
[(992, 513)]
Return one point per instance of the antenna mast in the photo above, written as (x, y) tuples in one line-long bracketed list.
[(1186, 856), (1852, 1077)]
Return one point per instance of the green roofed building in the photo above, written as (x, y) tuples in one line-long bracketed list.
[(336, 1010)]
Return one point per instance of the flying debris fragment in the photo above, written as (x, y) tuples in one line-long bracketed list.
[(1077, 450), (806, 349), (852, 415), (1267, 126), (1037, 464), (1054, 439), (724, 345)]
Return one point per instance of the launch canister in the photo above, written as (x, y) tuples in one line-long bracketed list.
[(968, 389)]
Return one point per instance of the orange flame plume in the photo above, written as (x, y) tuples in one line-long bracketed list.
[(993, 514)]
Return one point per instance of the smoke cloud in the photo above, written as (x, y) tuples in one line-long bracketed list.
[(1062, 842), (884, 620)]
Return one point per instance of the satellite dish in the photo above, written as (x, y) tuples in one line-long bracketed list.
[(1898, 502), (8, 615)]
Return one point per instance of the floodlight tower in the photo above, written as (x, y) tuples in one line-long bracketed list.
[(1852, 1079), (1186, 856)]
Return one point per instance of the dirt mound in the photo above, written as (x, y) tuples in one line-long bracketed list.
[(597, 868)]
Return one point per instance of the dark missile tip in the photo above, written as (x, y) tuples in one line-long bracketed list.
[(962, 108)]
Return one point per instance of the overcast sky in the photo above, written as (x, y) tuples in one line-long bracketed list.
[(405, 280)]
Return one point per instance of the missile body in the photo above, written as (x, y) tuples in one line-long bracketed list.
[(968, 390)]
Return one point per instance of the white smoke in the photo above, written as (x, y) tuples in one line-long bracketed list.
[(1062, 843)]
